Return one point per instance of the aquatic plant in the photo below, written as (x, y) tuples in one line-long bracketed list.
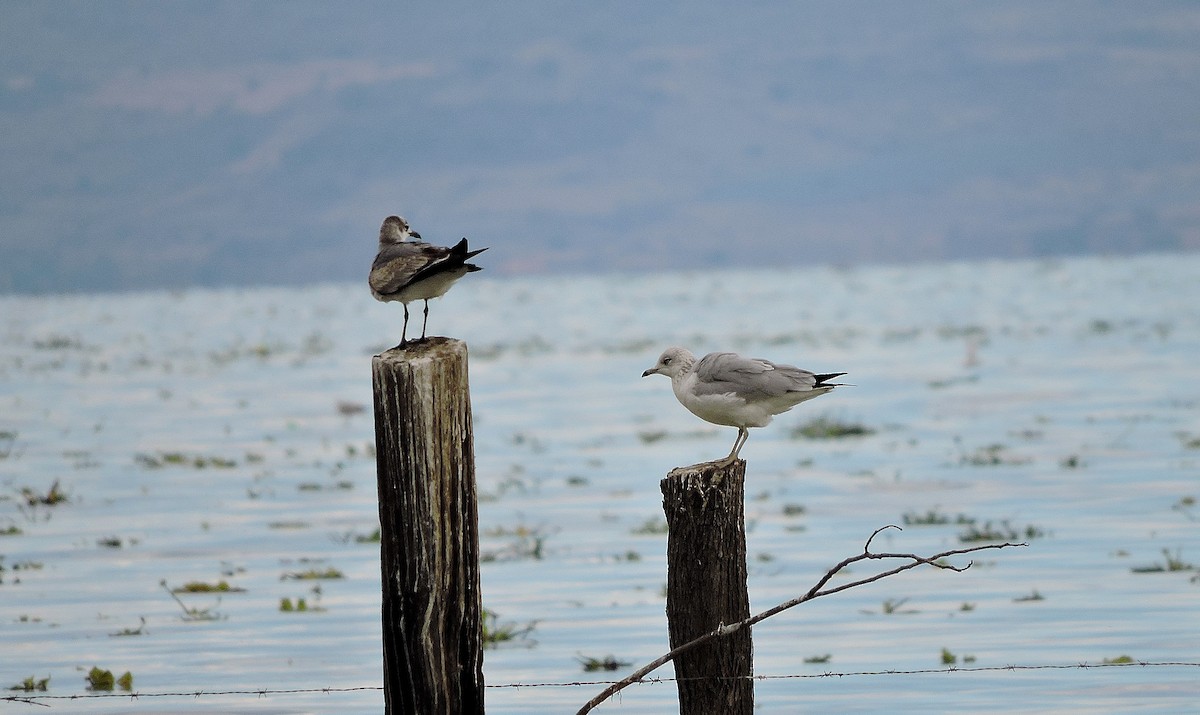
[(652, 436), (654, 526), (793, 509), (191, 613), (53, 496), (825, 427), (818, 659), (495, 632), (1001, 531), (31, 684), (182, 459), (7, 439), (312, 575), (139, 631), (949, 658), (934, 517), (1173, 562), (991, 455), (103, 680), (221, 586), (528, 543), (608, 662)]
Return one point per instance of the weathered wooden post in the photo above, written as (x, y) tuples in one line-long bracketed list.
[(706, 586), (428, 528)]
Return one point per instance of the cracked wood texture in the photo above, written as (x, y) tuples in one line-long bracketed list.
[(428, 528), (706, 586)]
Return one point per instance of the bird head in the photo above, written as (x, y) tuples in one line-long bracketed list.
[(673, 362), (396, 230)]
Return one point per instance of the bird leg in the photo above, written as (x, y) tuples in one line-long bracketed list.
[(404, 333), (742, 435), (426, 319)]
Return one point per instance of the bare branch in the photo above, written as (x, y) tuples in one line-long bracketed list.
[(819, 589)]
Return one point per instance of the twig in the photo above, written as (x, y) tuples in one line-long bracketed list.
[(816, 591)]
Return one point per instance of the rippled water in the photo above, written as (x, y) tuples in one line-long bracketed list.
[(208, 436)]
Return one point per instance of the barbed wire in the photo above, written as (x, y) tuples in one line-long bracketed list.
[(37, 699)]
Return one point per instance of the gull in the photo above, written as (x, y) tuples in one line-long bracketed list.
[(406, 270), (735, 391)]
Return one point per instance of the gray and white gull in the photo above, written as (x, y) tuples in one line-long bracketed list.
[(407, 269), (735, 391)]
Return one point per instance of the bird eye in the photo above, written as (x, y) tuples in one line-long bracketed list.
[(666, 361)]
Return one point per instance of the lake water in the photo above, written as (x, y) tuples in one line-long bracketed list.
[(216, 435)]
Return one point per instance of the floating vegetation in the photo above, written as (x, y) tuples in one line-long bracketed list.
[(31, 684), (794, 510), (950, 382), (933, 517), (1032, 596), (301, 604), (23, 565), (528, 543), (7, 439), (893, 606), (1119, 660), (103, 681), (1184, 506), (181, 459), (1000, 531), (1189, 441), (11, 530), (346, 408), (818, 659), (358, 538), (824, 427), (1073, 461), (344, 485), (190, 613), (57, 342), (654, 526), (288, 525), (286, 605), (495, 632), (312, 575), (139, 631), (221, 586), (1172, 562), (992, 455), (607, 663), (652, 436), (949, 658), (110, 542), (33, 497)]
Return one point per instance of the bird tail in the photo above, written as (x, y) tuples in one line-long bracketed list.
[(460, 250), (822, 380)]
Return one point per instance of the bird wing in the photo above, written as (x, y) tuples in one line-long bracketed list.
[(399, 265), (749, 378)]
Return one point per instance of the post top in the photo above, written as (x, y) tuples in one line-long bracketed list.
[(430, 348)]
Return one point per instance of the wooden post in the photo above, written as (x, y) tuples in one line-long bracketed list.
[(428, 528), (706, 586)]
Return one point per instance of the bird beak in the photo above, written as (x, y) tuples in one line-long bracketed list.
[(415, 235), (651, 371)]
